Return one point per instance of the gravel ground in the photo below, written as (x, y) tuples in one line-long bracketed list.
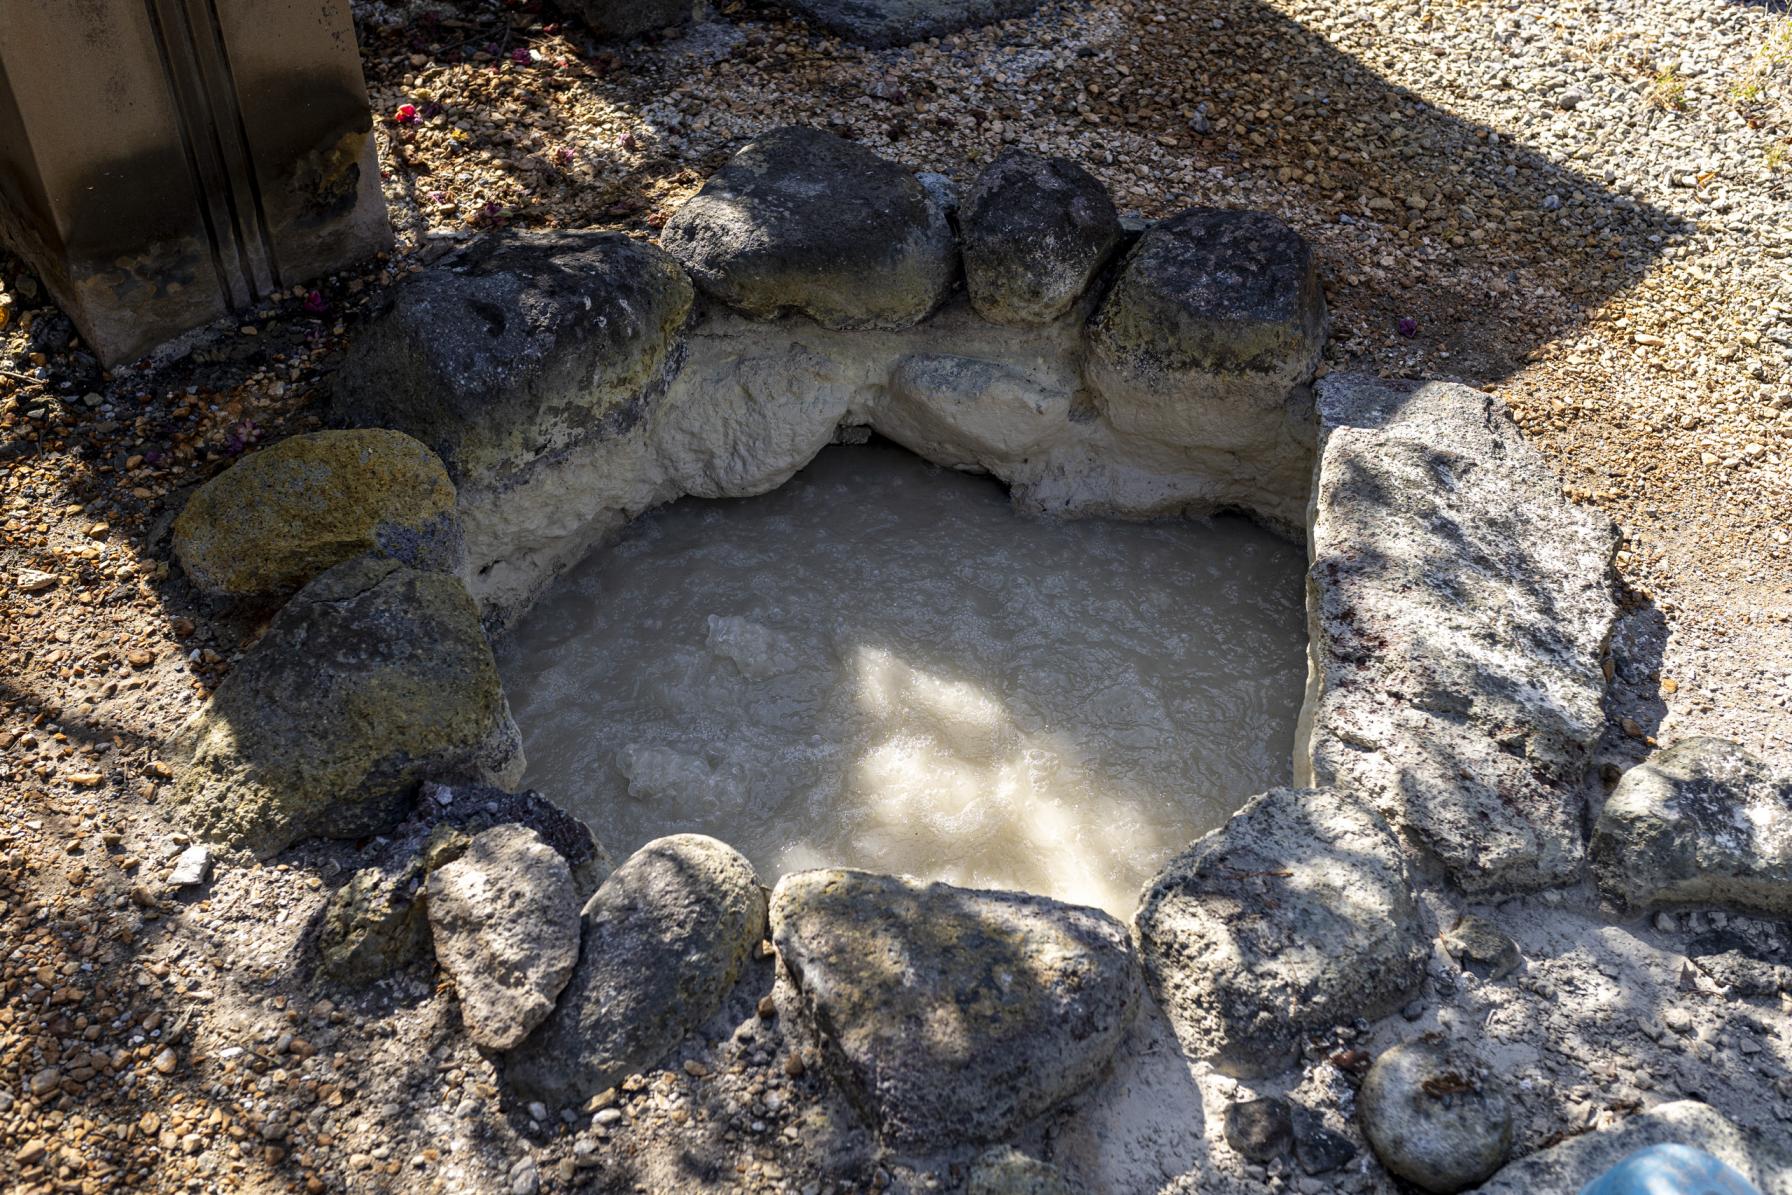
[(1583, 206)]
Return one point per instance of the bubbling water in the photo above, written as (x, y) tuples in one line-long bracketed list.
[(882, 665)]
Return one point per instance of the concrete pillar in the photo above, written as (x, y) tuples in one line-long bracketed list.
[(166, 162)]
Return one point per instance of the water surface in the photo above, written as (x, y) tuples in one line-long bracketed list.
[(881, 665)]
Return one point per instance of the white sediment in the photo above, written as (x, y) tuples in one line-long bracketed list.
[(883, 665)]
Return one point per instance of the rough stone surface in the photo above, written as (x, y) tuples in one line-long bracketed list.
[(373, 925), (663, 941), (1435, 1115), (1215, 319), (968, 409), (801, 220), (371, 678), (883, 23), (282, 515), (1460, 608), (1577, 1161), (948, 1014), (473, 808), (1295, 915), (1700, 821), (620, 19), (504, 917), (1035, 231), (519, 347), (1260, 1129), (1481, 947), (1005, 1170)]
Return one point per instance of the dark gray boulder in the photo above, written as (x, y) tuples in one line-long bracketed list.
[(1260, 1129), (1700, 821), (1214, 319), (1035, 232), (883, 23), (1296, 915), (517, 348), (622, 19), (1459, 611), (371, 679), (1436, 1115), (663, 941), (951, 1015), (801, 220)]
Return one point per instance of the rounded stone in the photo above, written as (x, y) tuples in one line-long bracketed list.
[(1296, 915), (1435, 1115), (1258, 1130), (1214, 319), (663, 941), (801, 220), (1035, 233), (950, 1014), (281, 516)]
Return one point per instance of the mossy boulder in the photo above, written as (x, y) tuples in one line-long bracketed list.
[(372, 678), (281, 516), (663, 942), (952, 1015), (803, 221)]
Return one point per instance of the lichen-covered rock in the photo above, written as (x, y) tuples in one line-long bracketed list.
[(280, 516), (1295, 915), (373, 925), (1573, 1164), (1005, 1170), (1214, 320), (664, 940), (631, 18), (373, 677), (883, 23), (518, 348), (1460, 609), (1035, 232), (1436, 1115), (802, 220), (952, 1015), (1700, 821), (504, 917)]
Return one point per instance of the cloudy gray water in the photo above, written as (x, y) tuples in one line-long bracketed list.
[(880, 665)]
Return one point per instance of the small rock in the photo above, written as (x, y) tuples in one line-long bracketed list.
[(32, 581), (166, 1061), (1258, 1130), (1480, 947), (1318, 1150), (1005, 1170), (1435, 1115), (193, 867)]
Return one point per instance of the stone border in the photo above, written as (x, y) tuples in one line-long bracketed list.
[(1460, 607)]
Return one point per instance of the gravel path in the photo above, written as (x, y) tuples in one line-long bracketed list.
[(1584, 206)]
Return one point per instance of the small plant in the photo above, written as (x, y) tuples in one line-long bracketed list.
[(1667, 91), (1775, 155)]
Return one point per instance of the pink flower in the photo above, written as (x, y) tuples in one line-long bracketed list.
[(626, 141), (315, 303), (520, 56), (406, 114)]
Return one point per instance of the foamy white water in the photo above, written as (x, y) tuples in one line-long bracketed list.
[(881, 665)]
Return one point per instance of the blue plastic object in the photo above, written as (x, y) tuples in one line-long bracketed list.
[(1670, 1170)]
